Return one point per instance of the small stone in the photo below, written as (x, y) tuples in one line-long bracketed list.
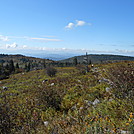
[(108, 89), (89, 103), (100, 81), (132, 72), (51, 84), (110, 99), (74, 107), (39, 85), (124, 132), (46, 123), (96, 101), (5, 88), (81, 108), (44, 81), (125, 72), (79, 81)]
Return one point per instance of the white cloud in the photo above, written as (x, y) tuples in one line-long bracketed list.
[(80, 23), (3, 38), (24, 46), (77, 23), (70, 25), (13, 45), (45, 39)]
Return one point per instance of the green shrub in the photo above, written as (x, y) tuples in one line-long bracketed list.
[(51, 71)]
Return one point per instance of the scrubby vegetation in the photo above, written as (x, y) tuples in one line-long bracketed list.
[(51, 71), (72, 102)]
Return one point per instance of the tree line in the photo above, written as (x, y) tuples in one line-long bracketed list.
[(10, 68)]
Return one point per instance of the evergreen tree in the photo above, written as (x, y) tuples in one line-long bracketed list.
[(11, 66), (28, 67), (7, 67), (90, 62), (7, 70), (75, 61), (44, 63), (25, 67), (0, 69), (17, 65)]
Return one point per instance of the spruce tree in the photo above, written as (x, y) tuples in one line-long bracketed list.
[(75, 61), (44, 63), (28, 67), (17, 65), (11, 66)]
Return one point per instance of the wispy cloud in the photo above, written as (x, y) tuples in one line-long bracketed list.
[(45, 39), (18, 37), (3, 38), (77, 23), (13, 45)]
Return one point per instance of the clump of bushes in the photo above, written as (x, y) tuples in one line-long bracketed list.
[(49, 97), (51, 71)]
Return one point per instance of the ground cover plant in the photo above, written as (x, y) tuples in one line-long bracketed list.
[(70, 102)]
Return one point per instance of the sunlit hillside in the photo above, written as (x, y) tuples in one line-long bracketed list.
[(71, 102)]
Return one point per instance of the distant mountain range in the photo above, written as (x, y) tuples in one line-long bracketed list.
[(93, 58), (58, 57)]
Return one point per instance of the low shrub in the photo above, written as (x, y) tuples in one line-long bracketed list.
[(51, 71)]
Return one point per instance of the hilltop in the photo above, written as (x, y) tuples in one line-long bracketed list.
[(99, 58), (22, 60)]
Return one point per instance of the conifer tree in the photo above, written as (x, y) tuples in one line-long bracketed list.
[(25, 67), (0, 69), (44, 63), (11, 66), (17, 65), (28, 67), (7, 67), (75, 61)]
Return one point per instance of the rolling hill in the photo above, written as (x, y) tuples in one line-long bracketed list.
[(96, 58), (22, 60)]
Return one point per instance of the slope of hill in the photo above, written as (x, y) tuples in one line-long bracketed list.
[(100, 101), (100, 58)]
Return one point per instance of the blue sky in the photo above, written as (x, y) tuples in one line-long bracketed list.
[(77, 26)]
